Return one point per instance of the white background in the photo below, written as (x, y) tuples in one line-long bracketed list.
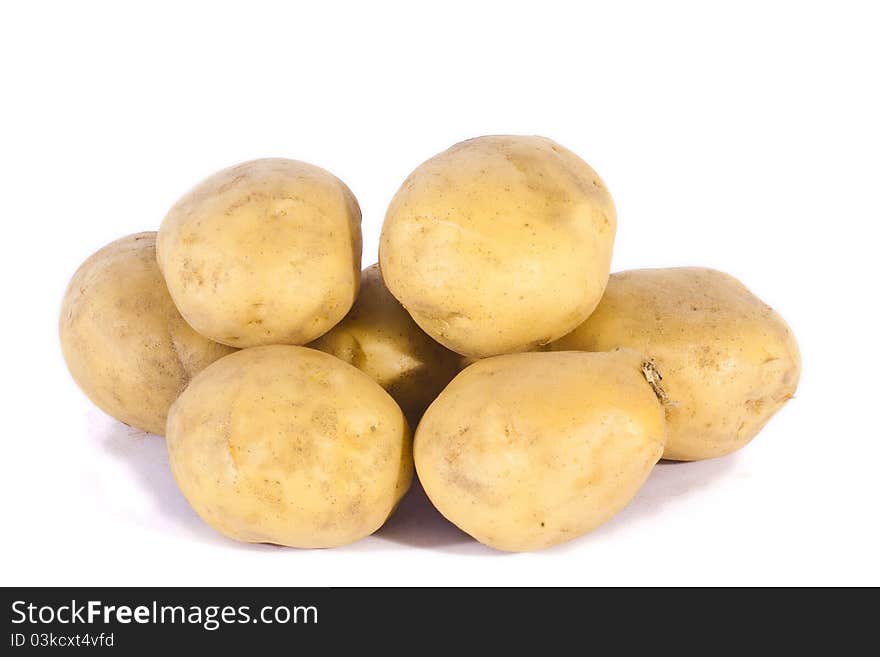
[(743, 138)]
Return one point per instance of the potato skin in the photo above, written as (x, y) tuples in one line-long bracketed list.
[(728, 361), (289, 445), (265, 252), (499, 244), (525, 451), (124, 342), (380, 338)]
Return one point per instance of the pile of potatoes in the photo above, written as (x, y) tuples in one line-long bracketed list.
[(541, 390)]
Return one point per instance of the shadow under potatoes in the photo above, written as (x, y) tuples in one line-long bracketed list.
[(418, 524), (415, 523)]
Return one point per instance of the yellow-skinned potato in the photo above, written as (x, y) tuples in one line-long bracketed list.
[(289, 445), (728, 361), (124, 342), (380, 338), (525, 451), (265, 252), (499, 244)]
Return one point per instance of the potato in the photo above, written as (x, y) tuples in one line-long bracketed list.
[(291, 446), (529, 450), (266, 252), (499, 244), (380, 338), (125, 344), (728, 361)]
